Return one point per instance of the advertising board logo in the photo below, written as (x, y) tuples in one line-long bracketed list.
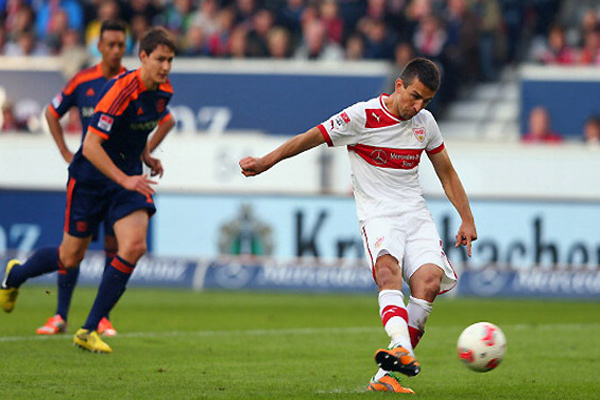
[(246, 235)]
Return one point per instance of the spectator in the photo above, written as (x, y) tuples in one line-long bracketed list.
[(590, 54), (539, 128), (378, 43), (461, 49), (591, 131), (9, 121), (491, 38), (47, 10), (555, 50), (25, 45), (355, 47), (139, 25), (262, 22), (59, 25), (2, 39), (403, 53), (237, 46), (429, 39), (218, 42), (194, 44), (315, 45), (244, 11), (206, 17), (279, 43), (290, 16), (109, 10), (134, 8), (330, 15), (176, 17), (20, 20)]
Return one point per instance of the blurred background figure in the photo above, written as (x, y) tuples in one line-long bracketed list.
[(315, 45), (10, 123), (540, 128), (355, 47), (279, 43), (555, 50), (591, 131)]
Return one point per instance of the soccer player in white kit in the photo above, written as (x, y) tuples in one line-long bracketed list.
[(385, 137)]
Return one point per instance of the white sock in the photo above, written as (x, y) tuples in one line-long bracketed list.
[(418, 312), (395, 318)]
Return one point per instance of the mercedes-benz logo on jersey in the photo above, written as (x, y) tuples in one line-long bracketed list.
[(379, 157)]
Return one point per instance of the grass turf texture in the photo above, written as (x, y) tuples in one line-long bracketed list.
[(239, 345)]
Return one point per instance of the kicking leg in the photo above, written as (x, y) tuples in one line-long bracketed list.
[(394, 317)]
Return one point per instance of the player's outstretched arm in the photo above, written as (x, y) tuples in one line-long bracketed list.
[(455, 192), (94, 152), (58, 135), (255, 165)]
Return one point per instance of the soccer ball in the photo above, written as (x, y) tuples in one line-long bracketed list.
[(481, 346)]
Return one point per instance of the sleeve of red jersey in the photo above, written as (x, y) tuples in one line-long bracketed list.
[(340, 129), (435, 141)]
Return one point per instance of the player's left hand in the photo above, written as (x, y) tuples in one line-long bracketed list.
[(155, 166), (467, 233)]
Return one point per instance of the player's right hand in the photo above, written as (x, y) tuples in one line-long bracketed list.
[(252, 166), (140, 184)]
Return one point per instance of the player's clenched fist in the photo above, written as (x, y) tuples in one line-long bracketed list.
[(252, 166)]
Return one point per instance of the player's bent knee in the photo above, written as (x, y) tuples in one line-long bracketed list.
[(134, 251), (70, 261), (388, 275), (427, 286)]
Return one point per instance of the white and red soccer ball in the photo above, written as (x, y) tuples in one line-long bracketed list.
[(481, 346)]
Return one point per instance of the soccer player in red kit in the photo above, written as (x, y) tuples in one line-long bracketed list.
[(385, 137), (106, 182)]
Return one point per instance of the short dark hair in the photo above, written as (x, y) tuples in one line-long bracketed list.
[(423, 69), (112, 25), (155, 37)]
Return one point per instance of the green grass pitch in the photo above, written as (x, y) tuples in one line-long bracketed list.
[(178, 344)]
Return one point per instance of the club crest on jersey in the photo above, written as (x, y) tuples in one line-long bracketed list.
[(161, 105), (57, 100), (419, 134), (105, 122)]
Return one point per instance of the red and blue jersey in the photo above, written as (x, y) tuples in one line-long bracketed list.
[(81, 92), (126, 113)]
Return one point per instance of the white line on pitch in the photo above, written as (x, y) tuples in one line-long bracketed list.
[(298, 331)]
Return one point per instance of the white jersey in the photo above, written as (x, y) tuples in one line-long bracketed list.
[(384, 152)]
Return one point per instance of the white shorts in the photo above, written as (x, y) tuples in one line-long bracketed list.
[(412, 239)]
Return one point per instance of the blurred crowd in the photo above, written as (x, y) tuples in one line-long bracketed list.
[(573, 38), (471, 40)]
